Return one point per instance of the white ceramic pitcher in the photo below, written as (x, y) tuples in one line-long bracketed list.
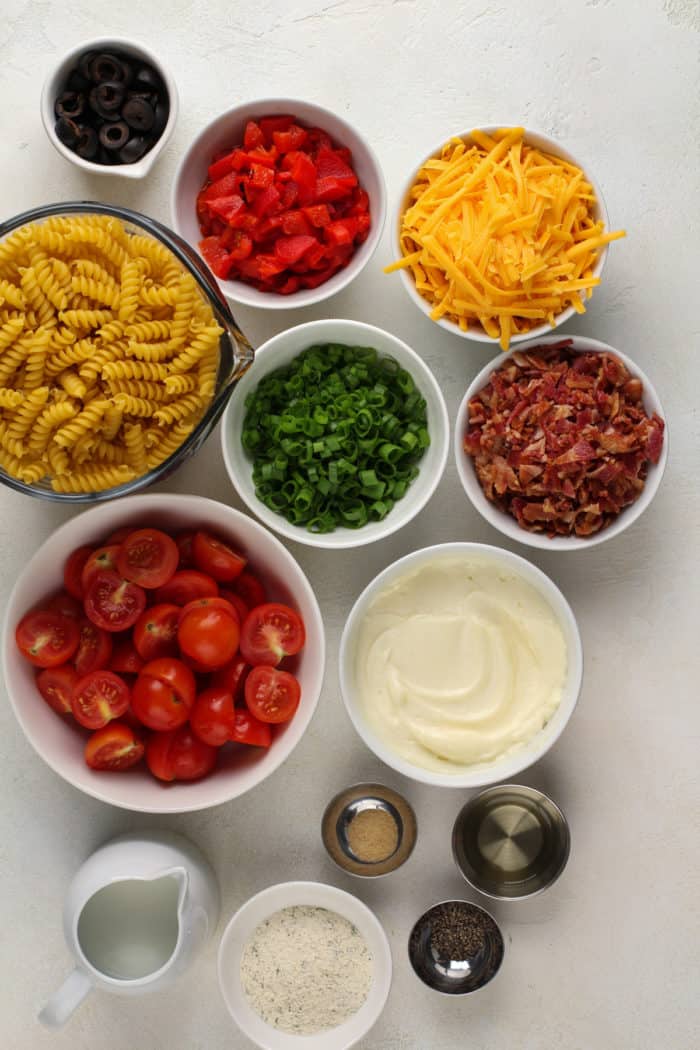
[(136, 914)]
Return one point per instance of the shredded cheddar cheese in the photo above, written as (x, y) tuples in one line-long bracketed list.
[(501, 235)]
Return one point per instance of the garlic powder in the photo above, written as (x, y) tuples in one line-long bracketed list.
[(306, 969)]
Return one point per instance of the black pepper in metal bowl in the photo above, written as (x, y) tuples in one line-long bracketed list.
[(456, 947)]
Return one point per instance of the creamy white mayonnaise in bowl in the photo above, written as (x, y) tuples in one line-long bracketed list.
[(460, 665)]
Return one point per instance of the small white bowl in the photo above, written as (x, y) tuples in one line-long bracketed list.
[(225, 132), (53, 85), (508, 525), (282, 349), (488, 773), (533, 138), (59, 742), (295, 894)]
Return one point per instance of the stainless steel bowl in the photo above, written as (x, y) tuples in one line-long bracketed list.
[(342, 810), (510, 842), (456, 947)]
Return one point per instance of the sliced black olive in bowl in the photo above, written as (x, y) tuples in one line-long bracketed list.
[(67, 131), (88, 144), (69, 104), (77, 82), (84, 63), (106, 156), (113, 136), (139, 114), (96, 105), (162, 112), (135, 149), (146, 77), (106, 67), (110, 95)]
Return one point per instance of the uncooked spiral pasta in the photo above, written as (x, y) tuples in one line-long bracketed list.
[(108, 353)]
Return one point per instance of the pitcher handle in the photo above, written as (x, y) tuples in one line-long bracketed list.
[(67, 999)]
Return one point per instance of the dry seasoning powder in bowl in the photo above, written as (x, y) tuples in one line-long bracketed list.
[(306, 970)]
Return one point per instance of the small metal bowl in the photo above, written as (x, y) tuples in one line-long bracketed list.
[(510, 842), (342, 810), (433, 947)]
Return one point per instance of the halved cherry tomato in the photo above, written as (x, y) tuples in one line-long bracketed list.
[(155, 631), (250, 589), (209, 634), (65, 604), (73, 570), (231, 677), (184, 546), (216, 558), (271, 632), (125, 659), (163, 694), (212, 716), (119, 535), (236, 601), (47, 638), (185, 586), (272, 695), (148, 557), (247, 729), (102, 558), (56, 685), (179, 755), (115, 747), (113, 603), (94, 648), (98, 698)]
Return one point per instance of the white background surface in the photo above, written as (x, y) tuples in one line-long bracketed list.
[(608, 959)]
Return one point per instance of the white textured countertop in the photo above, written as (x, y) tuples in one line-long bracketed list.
[(608, 958)]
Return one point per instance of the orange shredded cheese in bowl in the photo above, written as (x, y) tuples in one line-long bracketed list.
[(500, 237)]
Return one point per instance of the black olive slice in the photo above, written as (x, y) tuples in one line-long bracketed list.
[(162, 113), (84, 63), (114, 136), (139, 114), (97, 107), (106, 67), (67, 131), (135, 149), (77, 82), (88, 144), (106, 156), (146, 77), (69, 104), (110, 95), (127, 71)]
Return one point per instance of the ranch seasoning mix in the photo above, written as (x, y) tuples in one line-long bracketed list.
[(306, 969)]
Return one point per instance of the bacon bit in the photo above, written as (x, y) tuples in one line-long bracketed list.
[(560, 439)]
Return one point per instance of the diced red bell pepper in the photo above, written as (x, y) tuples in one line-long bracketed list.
[(265, 228), (319, 139), (253, 136), (331, 164), (289, 191), (312, 280), (261, 176), (222, 166), (239, 244), (261, 267), (215, 256), (265, 201), (295, 223), (289, 250), (292, 139), (332, 188), (290, 286), (269, 125), (227, 208), (360, 202), (342, 231), (317, 214), (303, 172), (223, 187)]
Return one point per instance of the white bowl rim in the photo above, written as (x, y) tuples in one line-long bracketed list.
[(474, 334), (12, 615), (242, 294), (349, 538), (300, 892), (502, 769), (507, 525), (141, 167)]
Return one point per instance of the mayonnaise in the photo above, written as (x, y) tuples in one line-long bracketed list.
[(459, 662)]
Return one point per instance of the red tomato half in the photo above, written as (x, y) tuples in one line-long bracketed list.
[(125, 659), (272, 695), (247, 729), (102, 558), (209, 634), (155, 632), (98, 698), (73, 570), (271, 632), (185, 586), (46, 638), (113, 603), (116, 747), (179, 755), (56, 685), (163, 694), (231, 677), (65, 604), (250, 589), (212, 716), (216, 558), (94, 648), (148, 557), (184, 546)]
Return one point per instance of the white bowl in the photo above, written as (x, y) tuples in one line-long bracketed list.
[(53, 85), (295, 894), (508, 525), (225, 132), (280, 350), (540, 141), (58, 742), (488, 773)]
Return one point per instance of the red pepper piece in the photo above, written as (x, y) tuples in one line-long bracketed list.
[(360, 202), (304, 174), (265, 227), (317, 214), (260, 176), (222, 166), (265, 201), (319, 139), (269, 125), (331, 164), (342, 231), (289, 191), (290, 286), (216, 256), (223, 187), (295, 223), (253, 136), (261, 267), (227, 208), (332, 188), (292, 139), (290, 249), (239, 244)]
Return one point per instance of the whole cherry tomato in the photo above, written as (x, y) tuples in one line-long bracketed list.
[(185, 586), (163, 693), (212, 716), (209, 633), (179, 755)]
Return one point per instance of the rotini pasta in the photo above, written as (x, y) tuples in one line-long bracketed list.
[(108, 353)]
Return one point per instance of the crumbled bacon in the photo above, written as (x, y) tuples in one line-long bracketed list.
[(561, 440)]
